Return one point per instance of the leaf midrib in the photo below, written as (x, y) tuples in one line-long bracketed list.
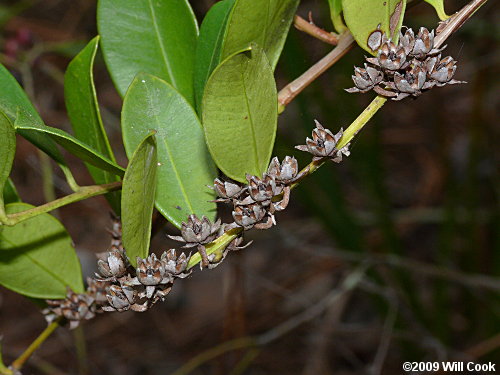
[(174, 167), (254, 139), (40, 265), (162, 48)]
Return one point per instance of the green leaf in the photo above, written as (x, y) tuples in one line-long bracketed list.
[(10, 194), (336, 15), (138, 198), (368, 19), (25, 125), (264, 22), (37, 258), (184, 164), (13, 100), (7, 152), (208, 49), (151, 36), (439, 7), (83, 111), (240, 114)]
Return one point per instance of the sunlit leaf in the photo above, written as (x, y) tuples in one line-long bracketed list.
[(138, 198), (37, 258), (240, 114), (83, 110), (27, 126), (185, 167), (208, 49), (367, 20), (264, 22), (336, 15), (151, 36), (439, 7), (7, 152), (10, 194)]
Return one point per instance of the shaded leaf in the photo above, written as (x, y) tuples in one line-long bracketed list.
[(208, 49), (240, 114), (25, 125), (138, 198), (7, 152), (83, 110), (184, 164), (10, 194), (439, 7), (37, 258), (336, 15), (156, 37), (264, 22), (368, 19)]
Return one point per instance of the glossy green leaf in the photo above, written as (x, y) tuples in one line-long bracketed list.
[(83, 111), (7, 152), (368, 19), (240, 114), (151, 36), (336, 15), (138, 198), (81, 150), (264, 22), (10, 194), (208, 49), (12, 100), (184, 164), (439, 7), (37, 258)]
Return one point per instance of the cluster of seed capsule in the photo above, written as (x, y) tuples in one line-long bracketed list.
[(405, 69), (120, 287)]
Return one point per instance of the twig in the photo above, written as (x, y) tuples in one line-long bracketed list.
[(315, 31), (19, 362), (290, 91), (349, 283), (386, 337), (456, 21), (83, 192)]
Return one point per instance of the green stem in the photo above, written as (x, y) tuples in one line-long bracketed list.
[(83, 192), (19, 362), (361, 121), (220, 243)]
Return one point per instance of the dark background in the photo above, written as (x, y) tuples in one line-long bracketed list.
[(417, 202)]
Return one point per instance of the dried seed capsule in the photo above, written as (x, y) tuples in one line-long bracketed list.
[(247, 216), (410, 83), (407, 41), (150, 271), (323, 143), (441, 71), (264, 189), (365, 79), (123, 298), (75, 308), (227, 190), (115, 264), (173, 265), (390, 57), (285, 172), (97, 289), (197, 231), (424, 43)]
